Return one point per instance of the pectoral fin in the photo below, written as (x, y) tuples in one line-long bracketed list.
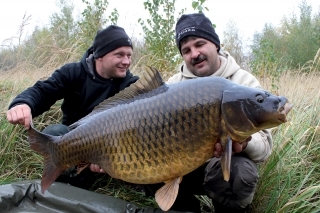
[(166, 195), (226, 159)]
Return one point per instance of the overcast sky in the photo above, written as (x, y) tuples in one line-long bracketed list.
[(250, 15)]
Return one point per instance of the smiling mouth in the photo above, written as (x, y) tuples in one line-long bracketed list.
[(198, 62)]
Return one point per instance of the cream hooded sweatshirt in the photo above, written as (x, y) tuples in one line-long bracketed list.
[(260, 146)]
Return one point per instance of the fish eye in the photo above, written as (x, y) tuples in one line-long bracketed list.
[(260, 99)]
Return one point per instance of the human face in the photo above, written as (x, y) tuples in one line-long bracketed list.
[(115, 63), (200, 56)]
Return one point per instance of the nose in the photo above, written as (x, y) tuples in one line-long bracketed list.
[(126, 60), (194, 53)]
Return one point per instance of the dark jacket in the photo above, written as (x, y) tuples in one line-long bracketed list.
[(78, 84)]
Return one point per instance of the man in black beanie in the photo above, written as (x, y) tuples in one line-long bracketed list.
[(101, 73), (199, 46)]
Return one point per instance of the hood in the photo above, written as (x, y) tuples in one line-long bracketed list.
[(227, 68), (87, 62)]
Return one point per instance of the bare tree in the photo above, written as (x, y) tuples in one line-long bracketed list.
[(232, 42)]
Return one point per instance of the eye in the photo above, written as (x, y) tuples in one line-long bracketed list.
[(185, 51), (260, 98)]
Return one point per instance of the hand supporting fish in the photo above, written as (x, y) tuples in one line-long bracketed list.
[(237, 147), (96, 168)]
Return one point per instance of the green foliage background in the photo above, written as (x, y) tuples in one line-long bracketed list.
[(291, 45)]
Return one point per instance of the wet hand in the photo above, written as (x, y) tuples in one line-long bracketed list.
[(20, 114), (96, 168)]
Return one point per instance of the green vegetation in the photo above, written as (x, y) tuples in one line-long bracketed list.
[(159, 33), (293, 44), (289, 179), (286, 60)]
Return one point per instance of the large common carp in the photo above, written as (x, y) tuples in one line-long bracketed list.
[(152, 132)]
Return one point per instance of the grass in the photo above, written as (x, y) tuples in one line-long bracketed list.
[(289, 180)]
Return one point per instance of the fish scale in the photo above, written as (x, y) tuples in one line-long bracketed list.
[(151, 132), (151, 138)]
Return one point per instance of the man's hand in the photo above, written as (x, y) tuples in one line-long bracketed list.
[(20, 114), (96, 168), (237, 147)]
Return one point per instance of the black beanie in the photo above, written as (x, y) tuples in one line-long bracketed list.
[(110, 39), (196, 24)]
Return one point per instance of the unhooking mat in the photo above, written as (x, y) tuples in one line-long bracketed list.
[(26, 197)]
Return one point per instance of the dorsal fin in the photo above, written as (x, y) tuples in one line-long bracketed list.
[(149, 80)]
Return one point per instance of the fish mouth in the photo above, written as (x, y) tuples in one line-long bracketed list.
[(283, 111)]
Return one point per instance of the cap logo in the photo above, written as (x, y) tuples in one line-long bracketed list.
[(185, 30), (129, 41)]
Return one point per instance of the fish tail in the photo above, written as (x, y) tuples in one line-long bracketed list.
[(40, 143)]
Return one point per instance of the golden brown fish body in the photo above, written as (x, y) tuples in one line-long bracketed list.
[(152, 132), (148, 141)]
